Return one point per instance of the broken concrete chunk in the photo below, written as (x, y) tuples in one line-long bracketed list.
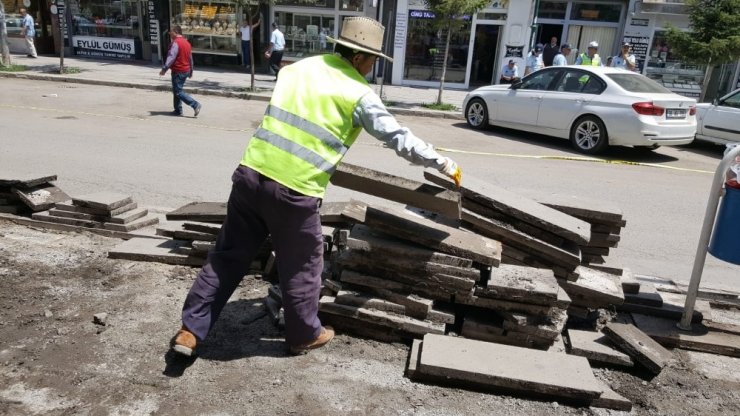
[(100, 318), (639, 346)]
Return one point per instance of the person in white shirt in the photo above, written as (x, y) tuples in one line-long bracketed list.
[(509, 73), (245, 31), (560, 59), (625, 59), (534, 60), (275, 51)]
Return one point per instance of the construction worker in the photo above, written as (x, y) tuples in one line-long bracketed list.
[(318, 108), (590, 58)]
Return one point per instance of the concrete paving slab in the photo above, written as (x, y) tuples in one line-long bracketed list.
[(107, 201), (147, 221), (40, 197), (363, 239), (515, 369), (546, 327), (174, 229), (47, 217), (123, 218), (398, 189), (588, 209), (594, 288), (596, 347), (365, 280), (700, 338), (521, 284), (199, 211), (153, 250), (672, 308), (408, 226), (491, 196), (648, 295), (639, 346), (353, 298), (413, 362), (24, 180), (503, 305), (68, 206), (610, 399), (202, 227)]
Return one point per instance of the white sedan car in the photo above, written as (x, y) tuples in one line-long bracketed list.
[(719, 122), (594, 107)]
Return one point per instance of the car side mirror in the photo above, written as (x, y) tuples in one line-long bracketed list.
[(715, 101)]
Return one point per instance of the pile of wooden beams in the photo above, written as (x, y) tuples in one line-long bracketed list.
[(20, 194), (105, 210)]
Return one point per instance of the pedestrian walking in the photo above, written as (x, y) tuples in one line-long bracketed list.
[(590, 58), (275, 50), (560, 59), (245, 31), (534, 60), (318, 108), (180, 63), (28, 30)]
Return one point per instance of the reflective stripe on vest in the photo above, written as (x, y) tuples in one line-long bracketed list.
[(585, 60), (308, 126)]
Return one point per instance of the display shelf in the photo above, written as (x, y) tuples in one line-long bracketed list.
[(214, 35), (214, 52)]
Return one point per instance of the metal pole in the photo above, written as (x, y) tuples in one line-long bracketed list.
[(715, 193), (533, 33)]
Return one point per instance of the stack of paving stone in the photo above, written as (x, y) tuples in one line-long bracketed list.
[(198, 238), (106, 210), (606, 222), (22, 193)]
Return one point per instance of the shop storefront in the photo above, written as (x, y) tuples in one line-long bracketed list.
[(477, 49), (111, 29), (647, 26), (211, 27)]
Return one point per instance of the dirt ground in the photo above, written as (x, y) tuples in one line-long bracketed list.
[(54, 360)]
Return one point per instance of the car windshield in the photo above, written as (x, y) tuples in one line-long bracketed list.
[(638, 83)]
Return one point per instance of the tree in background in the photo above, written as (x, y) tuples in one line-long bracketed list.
[(4, 49), (449, 16), (713, 38), (251, 9)]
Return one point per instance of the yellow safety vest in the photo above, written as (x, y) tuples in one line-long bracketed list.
[(585, 60), (308, 126)]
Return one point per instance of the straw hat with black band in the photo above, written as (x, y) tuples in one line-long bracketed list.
[(362, 34)]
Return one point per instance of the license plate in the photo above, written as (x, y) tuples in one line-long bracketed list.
[(675, 114)]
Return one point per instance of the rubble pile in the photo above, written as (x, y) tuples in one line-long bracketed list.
[(21, 194)]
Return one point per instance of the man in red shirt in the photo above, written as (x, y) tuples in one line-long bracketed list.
[(180, 62)]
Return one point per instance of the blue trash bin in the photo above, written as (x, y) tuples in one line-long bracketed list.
[(725, 243)]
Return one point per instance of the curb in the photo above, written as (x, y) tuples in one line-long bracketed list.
[(453, 115)]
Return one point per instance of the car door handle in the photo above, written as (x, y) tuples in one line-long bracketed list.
[(579, 100), (536, 98)]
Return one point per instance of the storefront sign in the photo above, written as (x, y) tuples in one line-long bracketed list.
[(104, 47), (640, 45), (514, 51), (421, 14), (62, 18), (153, 22), (639, 22), (401, 25)]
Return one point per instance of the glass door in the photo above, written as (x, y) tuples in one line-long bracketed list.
[(485, 46)]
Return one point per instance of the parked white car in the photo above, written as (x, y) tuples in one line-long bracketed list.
[(594, 107), (719, 122)]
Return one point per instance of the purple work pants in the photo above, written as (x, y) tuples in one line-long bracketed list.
[(259, 206)]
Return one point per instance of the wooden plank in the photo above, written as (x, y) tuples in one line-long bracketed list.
[(148, 249), (491, 196), (199, 211), (495, 366), (398, 189), (639, 346), (521, 284), (699, 338), (40, 197), (427, 233), (363, 239)]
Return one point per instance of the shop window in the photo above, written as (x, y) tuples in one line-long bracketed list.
[(552, 9), (425, 49), (305, 34), (116, 19), (351, 5), (210, 27), (600, 12), (326, 4), (670, 71), (491, 16)]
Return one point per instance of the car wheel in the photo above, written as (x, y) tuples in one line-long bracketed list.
[(476, 114), (588, 135)]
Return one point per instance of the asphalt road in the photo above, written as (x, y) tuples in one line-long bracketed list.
[(123, 140)]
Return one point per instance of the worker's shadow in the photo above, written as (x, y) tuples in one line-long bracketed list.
[(243, 330)]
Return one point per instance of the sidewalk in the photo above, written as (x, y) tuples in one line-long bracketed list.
[(213, 81)]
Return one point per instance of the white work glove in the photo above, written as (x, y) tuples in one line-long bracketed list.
[(452, 171)]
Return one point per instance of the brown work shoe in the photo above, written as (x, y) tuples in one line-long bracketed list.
[(184, 342), (326, 335)]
